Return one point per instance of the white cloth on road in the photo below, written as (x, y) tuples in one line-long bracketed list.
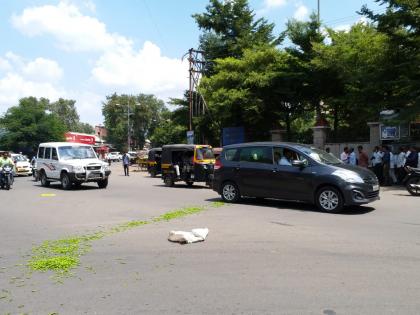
[(183, 237)]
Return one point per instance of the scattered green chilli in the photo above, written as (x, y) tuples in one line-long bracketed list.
[(63, 255)]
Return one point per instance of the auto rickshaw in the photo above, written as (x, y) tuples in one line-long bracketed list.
[(154, 162), (188, 163)]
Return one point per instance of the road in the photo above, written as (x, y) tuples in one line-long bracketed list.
[(268, 257)]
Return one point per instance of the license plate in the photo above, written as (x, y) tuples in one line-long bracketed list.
[(375, 187)]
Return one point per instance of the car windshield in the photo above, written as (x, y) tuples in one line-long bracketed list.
[(19, 158), (320, 156), (76, 152), (204, 153)]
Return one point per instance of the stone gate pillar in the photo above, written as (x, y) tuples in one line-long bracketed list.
[(320, 136), (374, 134), (278, 135)]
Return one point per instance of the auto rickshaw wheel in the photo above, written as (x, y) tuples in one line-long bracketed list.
[(152, 173), (189, 184), (169, 182)]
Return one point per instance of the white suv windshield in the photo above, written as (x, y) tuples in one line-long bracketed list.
[(76, 152)]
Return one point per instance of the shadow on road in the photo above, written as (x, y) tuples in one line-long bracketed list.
[(182, 186), (298, 206)]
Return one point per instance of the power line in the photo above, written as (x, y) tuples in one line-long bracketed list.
[(154, 24)]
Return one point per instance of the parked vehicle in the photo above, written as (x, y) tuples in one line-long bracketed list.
[(133, 156), (188, 163), (6, 177), (154, 161), (114, 156), (71, 164), (412, 181), (291, 171), (22, 165)]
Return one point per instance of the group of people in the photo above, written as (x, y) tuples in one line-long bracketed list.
[(389, 167)]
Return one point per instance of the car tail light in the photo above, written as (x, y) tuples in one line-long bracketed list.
[(218, 165)]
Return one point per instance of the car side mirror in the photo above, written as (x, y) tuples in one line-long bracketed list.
[(298, 163)]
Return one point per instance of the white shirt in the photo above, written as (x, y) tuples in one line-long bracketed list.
[(418, 163), (352, 158), (344, 157), (377, 157), (284, 161), (401, 159), (392, 160)]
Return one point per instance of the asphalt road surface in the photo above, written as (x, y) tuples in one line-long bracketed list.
[(268, 257)]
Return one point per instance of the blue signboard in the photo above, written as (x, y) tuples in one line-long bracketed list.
[(233, 135)]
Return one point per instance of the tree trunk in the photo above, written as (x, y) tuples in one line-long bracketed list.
[(335, 122)]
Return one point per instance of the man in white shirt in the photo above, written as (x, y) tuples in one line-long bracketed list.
[(392, 163), (400, 165), (286, 159), (352, 157), (344, 156)]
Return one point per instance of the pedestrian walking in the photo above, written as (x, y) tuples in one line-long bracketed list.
[(352, 157), (126, 164), (377, 163), (363, 157), (344, 156)]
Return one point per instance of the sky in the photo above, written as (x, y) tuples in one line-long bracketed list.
[(88, 49)]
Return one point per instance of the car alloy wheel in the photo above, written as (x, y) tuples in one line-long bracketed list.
[(230, 192), (329, 199)]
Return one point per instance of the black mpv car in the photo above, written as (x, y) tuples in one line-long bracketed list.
[(292, 171)]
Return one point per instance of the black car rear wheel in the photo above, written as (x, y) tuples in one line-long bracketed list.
[(329, 199), (230, 192)]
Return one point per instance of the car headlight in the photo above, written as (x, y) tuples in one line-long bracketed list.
[(349, 176), (78, 169), (106, 168)]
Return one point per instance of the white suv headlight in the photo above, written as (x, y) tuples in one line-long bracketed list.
[(106, 168), (349, 176), (78, 169)]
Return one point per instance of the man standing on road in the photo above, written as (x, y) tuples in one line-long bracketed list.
[(352, 157), (363, 157), (377, 163), (400, 165), (344, 157), (386, 162), (126, 164), (412, 157)]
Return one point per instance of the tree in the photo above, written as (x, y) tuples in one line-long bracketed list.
[(145, 114), (358, 60), (257, 91), (401, 23), (29, 124), (230, 27), (317, 82)]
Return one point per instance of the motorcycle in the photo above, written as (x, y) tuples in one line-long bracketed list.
[(412, 181), (6, 177)]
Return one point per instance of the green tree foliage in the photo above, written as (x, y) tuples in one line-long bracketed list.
[(29, 124), (356, 60), (67, 112), (257, 91), (229, 27), (401, 23), (145, 116)]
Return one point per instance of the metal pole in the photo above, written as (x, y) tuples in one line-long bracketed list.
[(319, 15), (190, 95), (128, 125)]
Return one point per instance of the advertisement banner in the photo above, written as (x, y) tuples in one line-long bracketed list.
[(390, 132), (79, 138)]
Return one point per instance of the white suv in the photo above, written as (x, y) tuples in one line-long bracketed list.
[(70, 163)]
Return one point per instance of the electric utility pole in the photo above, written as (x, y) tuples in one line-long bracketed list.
[(196, 102)]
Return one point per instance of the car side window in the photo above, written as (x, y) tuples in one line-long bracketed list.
[(41, 152), (47, 154), (285, 156), (263, 155), (54, 154), (231, 154)]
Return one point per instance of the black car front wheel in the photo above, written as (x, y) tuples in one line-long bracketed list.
[(329, 199), (230, 192)]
